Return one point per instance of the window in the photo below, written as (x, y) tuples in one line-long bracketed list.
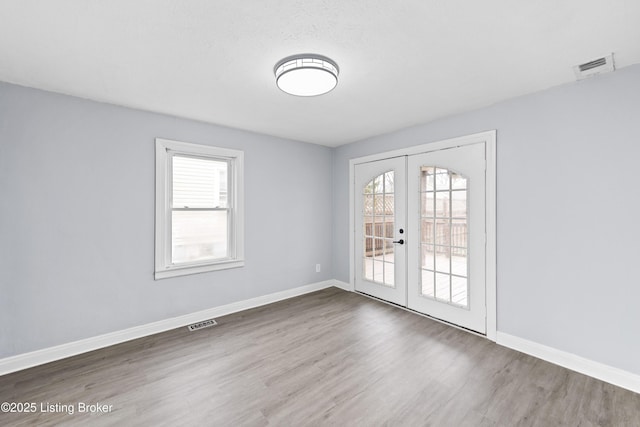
[(199, 216)]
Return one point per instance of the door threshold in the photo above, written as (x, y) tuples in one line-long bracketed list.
[(444, 322)]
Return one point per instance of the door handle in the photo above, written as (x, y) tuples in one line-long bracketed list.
[(401, 241)]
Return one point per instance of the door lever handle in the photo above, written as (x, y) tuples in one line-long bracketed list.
[(401, 241)]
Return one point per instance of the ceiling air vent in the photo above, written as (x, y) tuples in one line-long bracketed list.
[(595, 67)]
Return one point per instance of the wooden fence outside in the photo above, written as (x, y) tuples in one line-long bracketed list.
[(445, 234)]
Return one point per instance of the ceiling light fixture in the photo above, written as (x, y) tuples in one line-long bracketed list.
[(306, 74)]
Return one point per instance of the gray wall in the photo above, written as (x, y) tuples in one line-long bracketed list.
[(77, 207), (77, 219), (568, 212)]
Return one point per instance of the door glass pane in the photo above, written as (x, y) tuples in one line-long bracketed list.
[(443, 260), (367, 202), (378, 251), (198, 236), (367, 264), (388, 204), (443, 232), (459, 290), (459, 233), (388, 273), (388, 228), (426, 178), (459, 261), (443, 286), (388, 250), (368, 247), (443, 235), (379, 229), (388, 183), (442, 179), (427, 231), (458, 181), (428, 284), (378, 271), (378, 186), (459, 204), (368, 189), (443, 205), (428, 257), (378, 205), (427, 205)]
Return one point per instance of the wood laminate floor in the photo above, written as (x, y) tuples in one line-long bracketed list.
[(326, 358)]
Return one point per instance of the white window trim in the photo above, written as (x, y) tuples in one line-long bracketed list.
[(163, 266)]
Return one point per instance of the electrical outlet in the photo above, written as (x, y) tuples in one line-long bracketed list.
[(317, 268)]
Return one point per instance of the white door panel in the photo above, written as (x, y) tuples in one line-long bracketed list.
[(380, 214), (446, 257)]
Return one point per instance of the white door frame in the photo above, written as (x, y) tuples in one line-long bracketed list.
[(489, 138)]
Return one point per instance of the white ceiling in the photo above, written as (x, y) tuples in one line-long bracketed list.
[(401, 62)]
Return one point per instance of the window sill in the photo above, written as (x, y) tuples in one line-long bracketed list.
[(184, 271)]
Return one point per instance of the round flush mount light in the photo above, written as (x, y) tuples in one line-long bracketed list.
[(306, 74)]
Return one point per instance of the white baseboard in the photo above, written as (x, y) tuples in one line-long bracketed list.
[(343, 285), (46, 355), (579, 364)]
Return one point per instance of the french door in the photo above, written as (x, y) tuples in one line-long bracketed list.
[(420, 233), (380, 225)]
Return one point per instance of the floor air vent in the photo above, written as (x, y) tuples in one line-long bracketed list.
[(595, 67), (201, 325)]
